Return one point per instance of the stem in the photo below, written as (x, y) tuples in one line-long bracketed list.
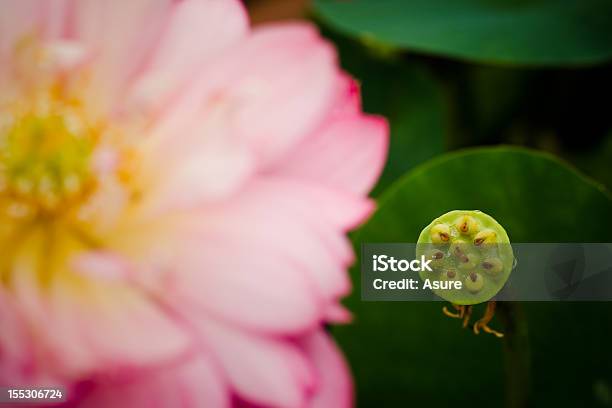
[(516, 354)]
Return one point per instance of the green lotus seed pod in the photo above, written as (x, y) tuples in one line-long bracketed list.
[(475, 251), (474, 282), (440, 233)]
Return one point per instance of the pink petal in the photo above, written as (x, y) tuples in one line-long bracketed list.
[(265, 93), (255, 289), (336, 313), (56, 15), (29, 23), (20, 22), (285, 87), (348, 153), (15, 347), (348, 97), (334, 386), (250, 106), (55, 355), (293, 258), (261, 370), (191, 384), (17, 20), (120, 35), (330, 207), (210, 171), (102, 265), (98, 326), (119, 331), (197, 31)]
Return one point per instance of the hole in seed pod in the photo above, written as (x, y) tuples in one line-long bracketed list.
[(492, 266), (451, 274), (468, 261), (473, 276), (458, 247), (484, 237), (438, 255), (466, 225), (444, 236)]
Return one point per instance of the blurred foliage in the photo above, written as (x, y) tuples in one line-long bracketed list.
[(263, 11), (595, 161), (521, 32), (453, 104), (533, 195), (463, 74)]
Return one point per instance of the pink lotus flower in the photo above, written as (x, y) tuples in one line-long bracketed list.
[(175, 190)]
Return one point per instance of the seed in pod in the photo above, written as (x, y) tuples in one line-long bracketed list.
[(474, 282), (492, 266), (440, 234), (467, 225), (468, 261), (485, 237)]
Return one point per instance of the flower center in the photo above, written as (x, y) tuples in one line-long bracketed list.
[(56, 193), (45, 175), (44, 161)]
